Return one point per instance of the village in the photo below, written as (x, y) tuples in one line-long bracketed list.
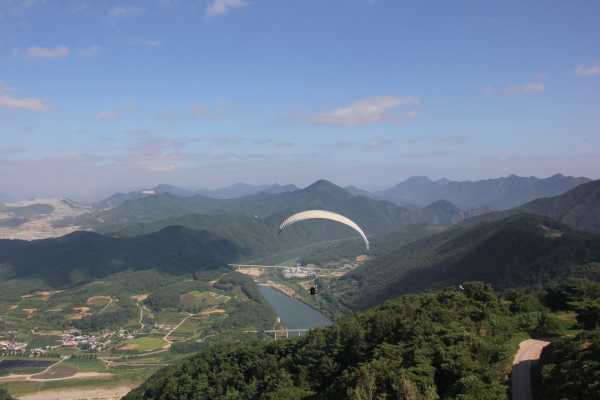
[(72, 339)]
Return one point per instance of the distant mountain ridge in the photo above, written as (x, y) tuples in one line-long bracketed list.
[(499, 194), (229, 192), (375, 216), (243, 189), (579, 208)]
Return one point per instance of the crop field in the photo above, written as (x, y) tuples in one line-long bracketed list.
[(60, 371), (143, 344), (198, 299), (127, 315)]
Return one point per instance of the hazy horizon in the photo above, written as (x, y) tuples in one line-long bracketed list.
[(94, 196), (99, 97)]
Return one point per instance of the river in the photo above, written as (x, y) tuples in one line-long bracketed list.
[(293, 313)]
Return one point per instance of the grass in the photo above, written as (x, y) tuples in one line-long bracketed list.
[(143, 344), (85, 365), (60, 371), (198, 299)]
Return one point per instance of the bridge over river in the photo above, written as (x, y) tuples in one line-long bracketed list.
[(296, 316)]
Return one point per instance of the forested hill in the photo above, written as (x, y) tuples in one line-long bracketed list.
[(518, 251), (83, 256), (254, 235), (373, 215), (4, 395), (578, 208), (444, 345)]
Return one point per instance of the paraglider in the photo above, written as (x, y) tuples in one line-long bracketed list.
[(327, 215)]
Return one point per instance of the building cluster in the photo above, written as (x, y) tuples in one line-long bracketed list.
[(86, 342), (10, 346), (298, 271)]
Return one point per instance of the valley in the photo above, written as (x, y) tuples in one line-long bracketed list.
[(103, 312)]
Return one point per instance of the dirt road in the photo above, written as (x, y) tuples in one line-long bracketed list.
[(529, 352), (101, 393)]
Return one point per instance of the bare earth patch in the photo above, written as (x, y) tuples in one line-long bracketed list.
[(282, 288), (43, 295), (29, 311), (98, 300), (551, 233), (361, 259), (253, 272), (99, 393), (82, 312), (140, 297), (41, 226), (213, 311)]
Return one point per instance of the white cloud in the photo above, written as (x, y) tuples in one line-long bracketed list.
[(4, 87), (592, 70), (379, 144), (526, 88), (366, 111), (48, 52), (90, 51), (108, 115), (202, 110), (14, 103), (146, 42), (125, 11), (533, 87), (220, 7)]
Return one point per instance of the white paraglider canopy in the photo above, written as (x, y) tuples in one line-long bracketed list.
[(322, 214)]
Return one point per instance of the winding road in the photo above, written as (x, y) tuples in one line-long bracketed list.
[(529, 352)]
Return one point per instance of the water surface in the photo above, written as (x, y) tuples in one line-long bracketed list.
[(293, 313)]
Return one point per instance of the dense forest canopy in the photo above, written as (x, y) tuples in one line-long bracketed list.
[(449, 344)]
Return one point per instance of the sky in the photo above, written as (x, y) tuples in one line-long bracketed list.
[(102, 96)]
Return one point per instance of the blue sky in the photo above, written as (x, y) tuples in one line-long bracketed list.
[(97, 96)]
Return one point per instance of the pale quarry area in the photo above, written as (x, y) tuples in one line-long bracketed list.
[(33, 219)]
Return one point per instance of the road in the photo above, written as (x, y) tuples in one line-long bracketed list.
[(166, 338), (110, 301), (529, 352)]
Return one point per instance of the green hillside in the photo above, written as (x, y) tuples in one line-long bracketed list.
[(578, 208), (4, 395), (523, 250), (373, 215), (255, 236), (444, 345), (570, 368), (83, 256)]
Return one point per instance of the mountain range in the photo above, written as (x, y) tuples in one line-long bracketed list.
[(373, 215), (578, 208), (228, 192), (498, 194), (416, 191)]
